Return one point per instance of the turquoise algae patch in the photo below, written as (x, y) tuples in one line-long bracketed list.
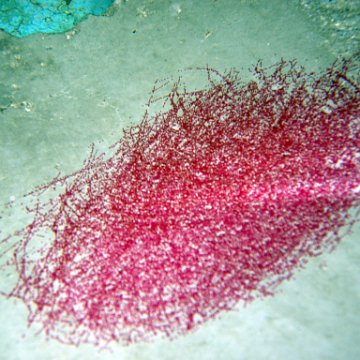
[(23, 17)]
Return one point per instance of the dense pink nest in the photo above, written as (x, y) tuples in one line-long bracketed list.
[(214, 200)]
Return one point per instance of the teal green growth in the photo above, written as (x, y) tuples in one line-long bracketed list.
[(25, 17)]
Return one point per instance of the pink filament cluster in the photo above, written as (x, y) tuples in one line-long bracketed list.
[(214, 200)]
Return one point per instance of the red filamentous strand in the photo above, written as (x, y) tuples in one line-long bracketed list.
[(214, 200)]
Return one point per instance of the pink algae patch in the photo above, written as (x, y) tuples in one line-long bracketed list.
[(212, 201)]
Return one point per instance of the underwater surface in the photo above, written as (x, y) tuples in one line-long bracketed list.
[(160, 71)]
